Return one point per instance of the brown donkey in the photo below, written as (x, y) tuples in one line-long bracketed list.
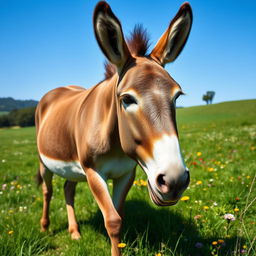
[(127, 119)]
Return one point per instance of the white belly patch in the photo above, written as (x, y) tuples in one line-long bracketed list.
[(107, 168), (69, 170)]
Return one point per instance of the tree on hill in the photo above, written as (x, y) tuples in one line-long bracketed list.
[(19, 117), (208, 97)]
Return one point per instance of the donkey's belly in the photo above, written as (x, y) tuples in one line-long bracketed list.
[(71, 170), (108, 168)]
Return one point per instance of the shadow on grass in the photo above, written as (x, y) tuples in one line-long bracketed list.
[(159, 228)]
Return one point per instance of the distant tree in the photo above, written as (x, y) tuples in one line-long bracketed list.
[(211, 95), (4, 121), (208, 97), (20, 117)]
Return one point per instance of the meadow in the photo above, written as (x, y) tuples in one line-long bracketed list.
[(219, 146)]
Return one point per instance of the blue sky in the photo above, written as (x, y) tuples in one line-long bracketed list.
[(46, 44)]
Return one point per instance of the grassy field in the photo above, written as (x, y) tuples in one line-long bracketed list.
[(219, 146)]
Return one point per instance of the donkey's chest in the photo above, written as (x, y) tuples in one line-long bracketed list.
[(107, 167), (115, 167)]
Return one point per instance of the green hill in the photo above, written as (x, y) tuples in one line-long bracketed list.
[(229, 113), (9, 104)]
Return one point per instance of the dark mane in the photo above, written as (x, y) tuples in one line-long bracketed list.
[(138, 43)]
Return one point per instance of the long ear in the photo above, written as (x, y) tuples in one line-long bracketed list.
[(110, 36), (174, 38)]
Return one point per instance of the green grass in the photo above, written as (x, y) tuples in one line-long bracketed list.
[(219, 146)]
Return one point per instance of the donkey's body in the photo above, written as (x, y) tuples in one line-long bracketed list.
[(100, 133)]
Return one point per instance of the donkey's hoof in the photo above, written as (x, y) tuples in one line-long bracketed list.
[(75, 235)]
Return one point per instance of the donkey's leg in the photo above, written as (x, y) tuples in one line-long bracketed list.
[(47, 194), (69, 191), (112, 219), (121, 187)]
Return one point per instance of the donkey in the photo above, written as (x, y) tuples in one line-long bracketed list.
[(127, 119)]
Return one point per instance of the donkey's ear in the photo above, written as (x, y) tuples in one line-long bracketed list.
[(109, 35), (174, 38)]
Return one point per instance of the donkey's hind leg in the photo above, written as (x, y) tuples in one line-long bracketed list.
[(69, 191), (47, 195)]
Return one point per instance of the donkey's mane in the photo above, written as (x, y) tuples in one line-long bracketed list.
[(138, 43)]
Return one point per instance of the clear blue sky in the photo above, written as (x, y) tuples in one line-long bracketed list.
[(49, 43)]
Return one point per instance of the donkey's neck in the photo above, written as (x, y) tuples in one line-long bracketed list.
[(98, 118)]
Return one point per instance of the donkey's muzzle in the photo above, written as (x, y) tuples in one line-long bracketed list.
[(169, 190)]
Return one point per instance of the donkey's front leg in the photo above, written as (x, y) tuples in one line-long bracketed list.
[(121, 187), (112, 219)]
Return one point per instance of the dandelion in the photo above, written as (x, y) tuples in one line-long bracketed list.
[(143, 183), (121, 245), (244, 246), (184, 198), (199, 182), (210, 169), (206, 208), (214, 243), (221, 241), (199, 153), (159, 254), (10, 232), (236, 210)]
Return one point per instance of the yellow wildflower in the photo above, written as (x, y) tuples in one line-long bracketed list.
[(10, 232), (121, 245), (210, 169), (143, 183), (244, 246), (206, 207), (199, 182), (159, 254), (214, 243), (199, 153), (220, 241), (236, 210), (184, 198)]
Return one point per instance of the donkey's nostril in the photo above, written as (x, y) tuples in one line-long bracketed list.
[(163, 186)]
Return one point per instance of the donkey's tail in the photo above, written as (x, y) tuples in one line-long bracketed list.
[(38, 178)]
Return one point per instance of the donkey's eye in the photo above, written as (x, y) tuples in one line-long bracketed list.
[(128, 100)]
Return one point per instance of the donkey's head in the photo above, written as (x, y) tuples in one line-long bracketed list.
[(145, 98)]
